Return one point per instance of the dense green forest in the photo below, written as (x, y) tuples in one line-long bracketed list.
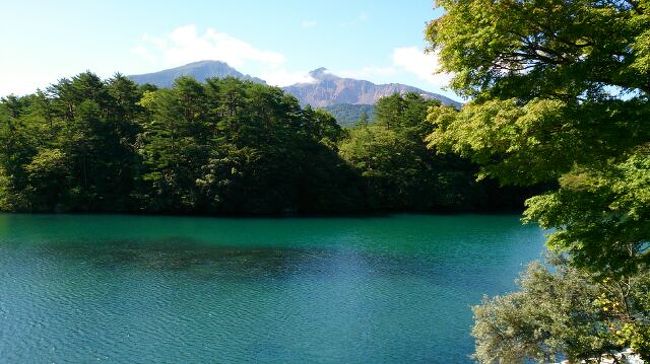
[(225, 146), (350, 114), (560, 93)]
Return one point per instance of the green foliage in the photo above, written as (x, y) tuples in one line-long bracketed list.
[(239, 147), (563, 313), (18, 143), (542, 139), (394, 171), (348, 115), (560, 94), (530, 49), (71, 148), (363, 119), (174, 145), (505, 138), (49, 177), (545, 109), (400, 172), (605, 215), (225, 146)]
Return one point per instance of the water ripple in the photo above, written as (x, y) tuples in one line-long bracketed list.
[(329, 291)]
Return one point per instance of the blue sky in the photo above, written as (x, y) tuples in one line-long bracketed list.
[(279, 41)]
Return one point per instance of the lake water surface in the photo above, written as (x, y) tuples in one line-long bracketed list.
[(132, 289)]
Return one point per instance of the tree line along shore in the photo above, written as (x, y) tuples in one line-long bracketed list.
[(225, 146)]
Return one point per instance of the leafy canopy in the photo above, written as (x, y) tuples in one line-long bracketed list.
[(559, 94), (563, 311)]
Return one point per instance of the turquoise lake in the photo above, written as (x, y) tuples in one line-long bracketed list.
[(140, 289)]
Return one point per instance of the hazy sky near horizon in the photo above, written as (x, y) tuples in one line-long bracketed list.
[(279, 41)]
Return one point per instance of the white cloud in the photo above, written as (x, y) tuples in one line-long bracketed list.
[(308, 23), (423, 65), (369, 72), (185, 44), (405, 60), (281, 77)]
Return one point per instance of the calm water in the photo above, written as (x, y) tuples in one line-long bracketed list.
[(191, 290)]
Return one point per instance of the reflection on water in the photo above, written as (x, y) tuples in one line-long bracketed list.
[(136, 289)]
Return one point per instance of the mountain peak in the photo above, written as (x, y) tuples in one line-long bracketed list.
[(327, 88), (200, 70), (321, 74), (207, 62)]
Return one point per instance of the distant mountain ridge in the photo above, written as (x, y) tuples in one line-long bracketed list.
[(201, 71), (328, 89), (345, 98)]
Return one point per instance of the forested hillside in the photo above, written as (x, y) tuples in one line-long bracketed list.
[(349, 114), (225, 146)]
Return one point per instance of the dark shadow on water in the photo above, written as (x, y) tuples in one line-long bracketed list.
[(176, 254), (187, 256)]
